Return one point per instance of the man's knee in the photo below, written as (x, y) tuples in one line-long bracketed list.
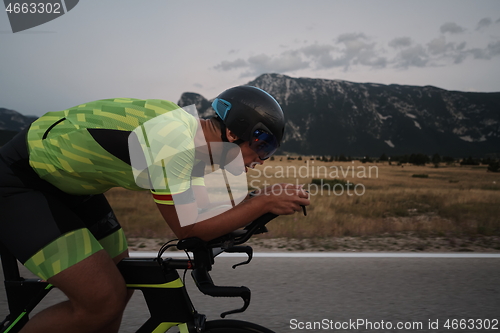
[(95, 288), (102, 308)]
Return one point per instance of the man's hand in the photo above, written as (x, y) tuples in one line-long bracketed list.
[(284, 199), (276, 188)]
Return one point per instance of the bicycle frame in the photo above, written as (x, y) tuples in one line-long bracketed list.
[(157, 283), (23, 295), (157, 278)]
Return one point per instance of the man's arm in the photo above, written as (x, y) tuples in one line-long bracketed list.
[(237, 217), (203, 200)]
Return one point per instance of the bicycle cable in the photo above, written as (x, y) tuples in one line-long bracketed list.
[(164, 247), (184, 275)]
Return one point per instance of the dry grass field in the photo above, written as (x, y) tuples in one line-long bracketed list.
[(455, 204)]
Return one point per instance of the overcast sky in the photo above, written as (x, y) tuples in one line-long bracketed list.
[(160, 49)]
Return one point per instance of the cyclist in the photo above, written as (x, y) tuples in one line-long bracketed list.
[(57, 222)]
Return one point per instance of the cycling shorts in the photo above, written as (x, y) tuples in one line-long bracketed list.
[(45, 228)]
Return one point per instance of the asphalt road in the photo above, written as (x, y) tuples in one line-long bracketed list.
[(291, 293)]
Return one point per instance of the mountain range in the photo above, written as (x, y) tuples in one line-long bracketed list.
[(12, 122), (333, 117)]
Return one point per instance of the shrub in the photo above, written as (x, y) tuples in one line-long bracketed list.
[(420, 175), (448, 159), (470, 161), (332, 182), (366, 159), (342, 158), (494, 167), (419, 159)]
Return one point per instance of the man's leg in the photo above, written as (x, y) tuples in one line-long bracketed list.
[(116, 324), (97, 298)]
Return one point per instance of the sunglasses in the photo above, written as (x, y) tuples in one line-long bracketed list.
[(263, 143)]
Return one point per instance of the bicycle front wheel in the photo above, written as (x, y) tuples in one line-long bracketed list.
[(234, 326)]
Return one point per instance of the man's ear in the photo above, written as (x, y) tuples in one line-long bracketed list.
[(231, 136)]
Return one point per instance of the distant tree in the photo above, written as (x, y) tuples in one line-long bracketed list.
[(470, 161), (342, 158), (418, 159), (383, 158), (272, 158), (494, 166), (366, 159), (299, 158), (436, 159), (448, 159), (487, 160)]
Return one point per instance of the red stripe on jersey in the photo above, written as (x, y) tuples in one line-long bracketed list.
[(163, 197)]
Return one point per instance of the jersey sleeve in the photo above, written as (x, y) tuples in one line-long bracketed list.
[(164, 197), (162, 153)]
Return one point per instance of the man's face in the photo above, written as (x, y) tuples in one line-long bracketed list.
[(250, 157)]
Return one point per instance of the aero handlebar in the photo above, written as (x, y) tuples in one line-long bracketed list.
[(204, 253)]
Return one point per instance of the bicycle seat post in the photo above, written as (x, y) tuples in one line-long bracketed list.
[(9, 265)]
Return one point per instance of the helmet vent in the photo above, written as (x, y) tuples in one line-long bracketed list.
[(221, 107)]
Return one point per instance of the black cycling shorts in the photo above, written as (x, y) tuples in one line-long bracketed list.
[(45, 228)]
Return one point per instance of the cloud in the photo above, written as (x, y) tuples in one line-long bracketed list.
[(229, 65), (288, 61), (439, 46), (350, 49), (490, 51), (317, 50), (478, 53), (357, 49), (400, 42), (350, 37), (451, 27), (494, 49), (442, 51), (460, 55), (484, 23), (320, 54), (415, 56)]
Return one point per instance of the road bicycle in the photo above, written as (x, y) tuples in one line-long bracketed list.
[(157, 278)]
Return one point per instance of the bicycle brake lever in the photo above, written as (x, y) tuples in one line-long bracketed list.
[(206, 286), (241, 249), (246, 302), (261, 230)]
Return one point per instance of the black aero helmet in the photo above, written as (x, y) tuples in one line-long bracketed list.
[(253, 115)]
